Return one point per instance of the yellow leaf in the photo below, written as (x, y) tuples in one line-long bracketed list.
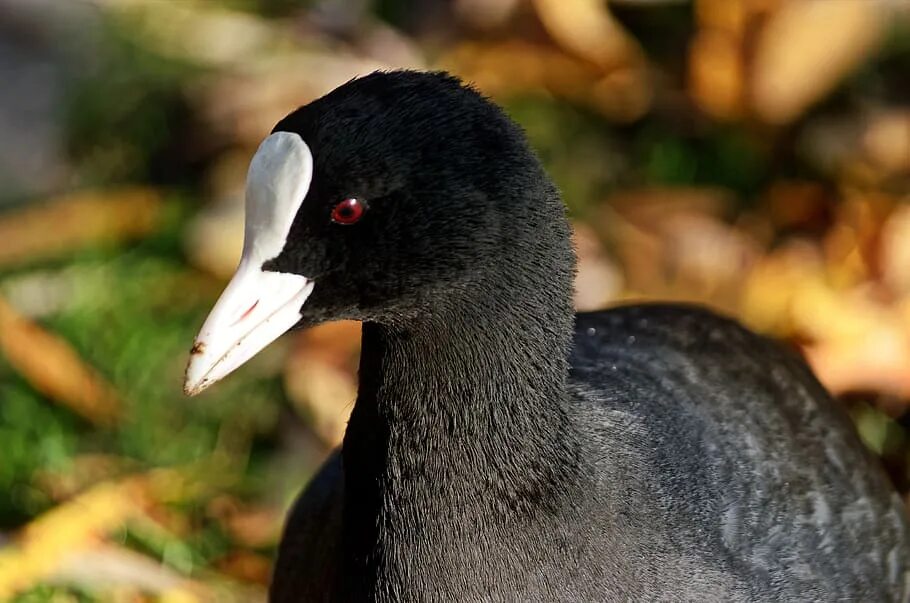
[(54, 368)]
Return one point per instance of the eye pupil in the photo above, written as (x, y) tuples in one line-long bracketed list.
[(348, 211)]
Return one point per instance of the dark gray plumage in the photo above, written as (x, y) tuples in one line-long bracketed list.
[(502, 448), (722, 471)]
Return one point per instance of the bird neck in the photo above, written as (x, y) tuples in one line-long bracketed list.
[(460, 426)]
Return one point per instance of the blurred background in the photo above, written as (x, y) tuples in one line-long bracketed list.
[(752, 155)]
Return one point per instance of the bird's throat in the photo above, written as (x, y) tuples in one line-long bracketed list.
[(459, 431)]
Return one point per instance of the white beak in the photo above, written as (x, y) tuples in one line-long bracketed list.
[(254, 310), (258, 305)]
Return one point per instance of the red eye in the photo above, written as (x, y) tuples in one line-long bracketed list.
[(348, 211)]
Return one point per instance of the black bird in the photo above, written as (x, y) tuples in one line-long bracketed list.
[(502, 447)]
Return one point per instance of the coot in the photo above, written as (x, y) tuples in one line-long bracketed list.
[(502, 447)]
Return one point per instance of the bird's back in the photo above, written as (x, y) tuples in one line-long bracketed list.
[(730, 455)]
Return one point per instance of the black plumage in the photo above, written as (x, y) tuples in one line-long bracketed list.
[(503, 448)]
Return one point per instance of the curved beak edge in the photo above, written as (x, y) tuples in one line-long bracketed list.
[(254, 310)]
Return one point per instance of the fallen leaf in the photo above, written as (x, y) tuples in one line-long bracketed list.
[(587, 29), (52, 538), (852, 245), (860, 343), (676, 243), (717, 74), (770, 288), (503, 69), (806, 49), (54, 368), (78, 220)]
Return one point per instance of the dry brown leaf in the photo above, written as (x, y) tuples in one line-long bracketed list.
[(514, 66), (729, 16), (385, 44), (650, 207), (508, 68), (675, 243), (46, 547), (864, 148), (48, 544), (772, 285), (720, 52), (851, 245), (587, 29), (854, 340), (77, 220), (706, 259), (717, 74), (860, 343), (805, 50), (54, 368)]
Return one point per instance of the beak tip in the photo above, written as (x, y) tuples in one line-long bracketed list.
[(194, 383), (190, 389), (243, 322)]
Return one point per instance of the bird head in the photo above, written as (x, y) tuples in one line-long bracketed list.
[(392, 199)]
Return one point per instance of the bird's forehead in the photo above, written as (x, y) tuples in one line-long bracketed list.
[(277, 182)]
